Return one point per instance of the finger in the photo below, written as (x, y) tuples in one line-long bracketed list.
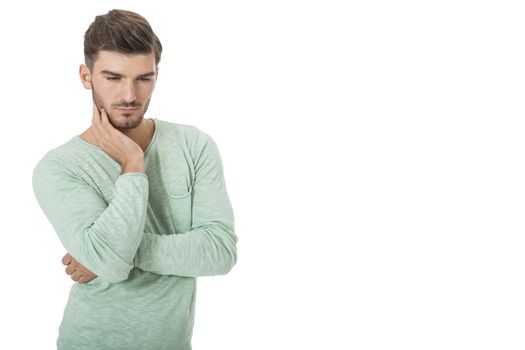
[(72, 267), (85, 278), (97, 120), (96, 115), (85, 271), (95, 123), (75, 276), (96, 111), (90, 277), (66, 260), (104, 120), (99, 132), (103, 116)]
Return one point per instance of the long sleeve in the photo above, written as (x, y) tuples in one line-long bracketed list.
[(103, 237), (209, 247)]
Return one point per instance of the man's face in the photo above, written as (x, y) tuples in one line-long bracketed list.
[(123, 86)]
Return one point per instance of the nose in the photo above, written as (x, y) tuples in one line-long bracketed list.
[(128, 93)]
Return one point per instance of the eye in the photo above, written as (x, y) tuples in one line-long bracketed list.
[(144, 79), (112, 78)]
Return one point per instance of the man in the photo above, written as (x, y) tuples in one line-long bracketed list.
[(139, 204)]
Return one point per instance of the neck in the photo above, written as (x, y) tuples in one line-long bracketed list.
[(142, 134)]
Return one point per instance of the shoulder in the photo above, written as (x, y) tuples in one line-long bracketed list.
[(58, 160), (187, 131), (189, 136)]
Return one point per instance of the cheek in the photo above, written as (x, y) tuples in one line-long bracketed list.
[(106, 87), (146, 90), (106, 91), (144, 95)]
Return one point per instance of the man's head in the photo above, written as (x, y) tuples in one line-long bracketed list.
[(121, 54)]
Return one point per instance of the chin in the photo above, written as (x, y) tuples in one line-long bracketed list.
[(127, 120)]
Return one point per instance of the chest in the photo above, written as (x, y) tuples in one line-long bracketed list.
[(170, 172)]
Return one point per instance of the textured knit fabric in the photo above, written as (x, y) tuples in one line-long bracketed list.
[(146, 236)]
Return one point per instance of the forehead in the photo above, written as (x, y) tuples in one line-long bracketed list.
[(124, 64)]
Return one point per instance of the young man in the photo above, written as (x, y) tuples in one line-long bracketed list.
[(139, 204)]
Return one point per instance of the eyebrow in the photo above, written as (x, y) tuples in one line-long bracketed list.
[(149, 74)]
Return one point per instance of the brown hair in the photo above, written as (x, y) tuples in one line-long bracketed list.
[(120, 31)]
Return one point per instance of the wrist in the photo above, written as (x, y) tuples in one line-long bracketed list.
[(133, 164)]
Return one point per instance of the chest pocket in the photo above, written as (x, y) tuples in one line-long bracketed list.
[(176, 166), (180, 210)]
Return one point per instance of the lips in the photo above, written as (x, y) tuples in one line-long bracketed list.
[(127, 109)]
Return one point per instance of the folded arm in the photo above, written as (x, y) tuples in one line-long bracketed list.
[(103, 237), (208, 247)]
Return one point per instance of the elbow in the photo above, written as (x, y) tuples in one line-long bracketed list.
[(115, 280), (113, 273), (227, 264), (233, 258), (222, 252), (103, 261), (229, 256), (117, 276)]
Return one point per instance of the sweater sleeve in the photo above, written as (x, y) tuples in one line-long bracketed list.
[(102, 236), (209, 247)]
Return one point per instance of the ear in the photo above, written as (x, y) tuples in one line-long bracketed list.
[(85, 76)]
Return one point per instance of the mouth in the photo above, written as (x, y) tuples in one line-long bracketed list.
[(127, 109)]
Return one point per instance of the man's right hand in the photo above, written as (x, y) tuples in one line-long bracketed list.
[(118, 146)]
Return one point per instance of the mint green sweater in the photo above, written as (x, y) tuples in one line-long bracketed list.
[(146, 236)]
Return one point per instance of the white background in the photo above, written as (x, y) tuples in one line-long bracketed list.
[(373, 154)]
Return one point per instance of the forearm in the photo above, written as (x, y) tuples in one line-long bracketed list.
[(205, 251), (108, 246), (205, 242)]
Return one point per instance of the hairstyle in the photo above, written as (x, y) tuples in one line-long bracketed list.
[(120, 31)]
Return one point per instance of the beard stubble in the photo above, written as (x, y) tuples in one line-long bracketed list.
[(128, 121)]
